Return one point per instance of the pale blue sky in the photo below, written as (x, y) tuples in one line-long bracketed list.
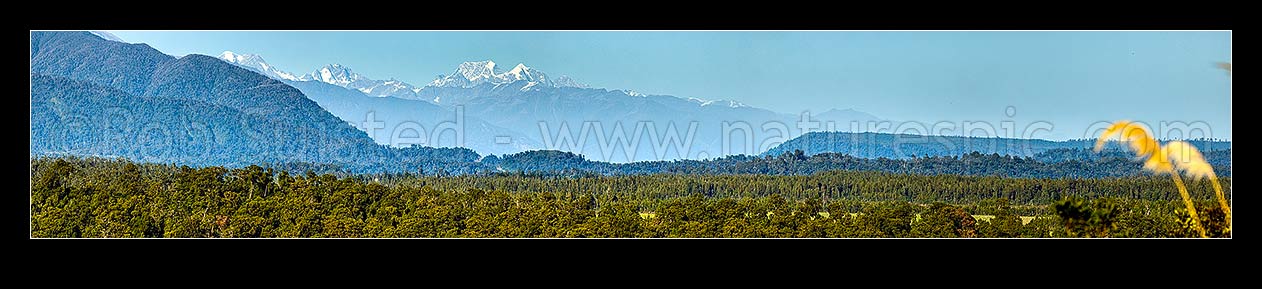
[(1069, 79)]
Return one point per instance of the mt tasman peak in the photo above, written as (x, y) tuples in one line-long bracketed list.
[(335, 74), (474, 73)]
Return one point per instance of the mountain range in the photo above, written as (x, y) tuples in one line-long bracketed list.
[(112, 98), (522, 108), (390, 119), (91, 96), (95, 96)]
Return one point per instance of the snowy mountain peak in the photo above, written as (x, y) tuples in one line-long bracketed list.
[(335, 74), (241, 59), (256, 63), (727, 103), (521, 72), (475, 70), (519, 68), (107, 36), (341, 75), (336, 69), (474, 73)]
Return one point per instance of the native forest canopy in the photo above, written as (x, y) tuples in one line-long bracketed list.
[(128, 142), (96, 197)]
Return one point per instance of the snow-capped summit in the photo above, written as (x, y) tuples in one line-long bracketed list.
[(727, 103), (256, 62), (335, 74), (340, 75), (474, 73), (522, 72), (241, 59), (107, 36), (476, 70)]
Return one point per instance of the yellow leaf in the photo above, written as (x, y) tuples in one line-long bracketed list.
[(1188, 159), (1109, 132), (1158, 163), (1137, 137)]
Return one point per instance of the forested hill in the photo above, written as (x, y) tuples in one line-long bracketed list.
[(1058, 163), (82, 118), (100, 198), (91, 96), (886, 145)]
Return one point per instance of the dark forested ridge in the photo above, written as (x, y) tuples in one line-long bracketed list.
[(90, 96), (95, 197), (65, 118), (1057, 163), (897, 146)]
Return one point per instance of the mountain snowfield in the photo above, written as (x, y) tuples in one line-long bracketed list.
[(339, 75), (472, 74), (334, 74), (521, 108), (256, 62), (107, 36), (401, 122), (394, 121)]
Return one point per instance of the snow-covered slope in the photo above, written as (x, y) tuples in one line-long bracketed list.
[(107, 36), (474, 73), (537, 111), (256, 63), (337, 74), (400, 122), (334, 74)]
